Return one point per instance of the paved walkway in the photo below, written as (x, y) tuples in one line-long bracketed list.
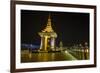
[(44, 57), (69, 56)]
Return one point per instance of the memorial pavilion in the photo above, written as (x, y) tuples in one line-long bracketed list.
[(48, 37)]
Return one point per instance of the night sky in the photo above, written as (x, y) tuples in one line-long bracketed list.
[(71, 28)]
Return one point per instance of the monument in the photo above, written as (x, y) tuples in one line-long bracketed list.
[(48, 37)]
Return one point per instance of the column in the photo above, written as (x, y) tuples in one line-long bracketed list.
[(41, 45), (45, 43), (52, 43)]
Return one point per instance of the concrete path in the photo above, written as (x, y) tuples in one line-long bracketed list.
[(44, 57), (69, 56)]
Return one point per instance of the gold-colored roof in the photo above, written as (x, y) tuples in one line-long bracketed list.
[(48, 28)]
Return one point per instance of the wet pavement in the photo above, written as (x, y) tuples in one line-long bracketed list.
[(45, 57)]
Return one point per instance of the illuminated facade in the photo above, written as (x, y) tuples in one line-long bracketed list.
[(48, 37)]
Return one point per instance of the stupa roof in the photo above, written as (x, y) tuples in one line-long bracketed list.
[(48, 28)]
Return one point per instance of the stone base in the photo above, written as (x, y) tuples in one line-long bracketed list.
[(41, 51)]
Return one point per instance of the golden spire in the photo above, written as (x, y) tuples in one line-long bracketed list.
[(48, 27)]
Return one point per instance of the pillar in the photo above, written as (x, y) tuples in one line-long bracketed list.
[(52, 43), (41, 45), (45, 43)]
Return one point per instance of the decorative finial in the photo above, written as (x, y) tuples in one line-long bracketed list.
[(48, 27)]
